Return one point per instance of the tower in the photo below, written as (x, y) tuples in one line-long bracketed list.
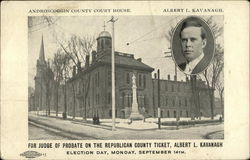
[(104, 41), (39, 83)]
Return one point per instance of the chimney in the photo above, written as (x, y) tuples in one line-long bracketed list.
[(168, 77), (139, 59), (175, 77), (93, 56), (87, 61), (74, 71), (155, 76)]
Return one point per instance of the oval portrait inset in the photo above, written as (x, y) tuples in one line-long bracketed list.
[(193, 45)]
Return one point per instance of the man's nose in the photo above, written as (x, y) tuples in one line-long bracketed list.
[(188, 44)]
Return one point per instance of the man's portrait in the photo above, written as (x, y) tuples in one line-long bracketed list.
[(193, 45)]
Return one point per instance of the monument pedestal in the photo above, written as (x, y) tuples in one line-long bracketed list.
[(135, 115)]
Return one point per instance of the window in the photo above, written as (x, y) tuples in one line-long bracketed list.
[(98, 79), (102, 43), (109, 78), (97, 99), (128, 101), (178, 88), (166, 87), (186, 102), (166, 101), (173, 101), (181, 113), (123, 98), (140, 83), (179, 102), (187, 113), (168, 114), (144, 81), (109, 98), (172, 88), (128, 78), (174, 114)]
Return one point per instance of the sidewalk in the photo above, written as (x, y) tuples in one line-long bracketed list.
[(146, 130)]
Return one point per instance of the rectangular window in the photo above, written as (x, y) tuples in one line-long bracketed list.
[(173, 101), (166, 87), (179, 102), (109, 98), (166, 101), (98, 79), (128, 78), (109, 78), (97, 99), (172, 88), (186, 102), (140, 80), (144, 81)]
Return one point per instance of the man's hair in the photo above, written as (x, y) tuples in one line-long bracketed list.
[(192, 22)]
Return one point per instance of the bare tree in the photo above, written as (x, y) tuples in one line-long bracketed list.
[(77, 49), (61, 68), (212, 74), (220, 87), (59, 64)]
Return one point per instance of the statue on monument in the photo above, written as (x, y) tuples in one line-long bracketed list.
[(135, 115)]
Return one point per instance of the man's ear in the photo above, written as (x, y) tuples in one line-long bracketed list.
[(204, 43)]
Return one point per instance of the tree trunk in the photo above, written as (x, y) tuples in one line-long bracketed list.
[(57, 100), (222, 104), (212, 103), (65, 103), (74, 101)]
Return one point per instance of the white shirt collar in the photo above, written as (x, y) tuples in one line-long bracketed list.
[(192, 64)]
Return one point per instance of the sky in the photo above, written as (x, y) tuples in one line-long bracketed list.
[(145, 34)]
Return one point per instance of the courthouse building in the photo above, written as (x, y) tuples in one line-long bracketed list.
[(89, 89)]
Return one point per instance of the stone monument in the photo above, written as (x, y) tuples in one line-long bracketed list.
[(135, 115)]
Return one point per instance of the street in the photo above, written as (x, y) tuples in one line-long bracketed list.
[(37, 133), (68, 129)]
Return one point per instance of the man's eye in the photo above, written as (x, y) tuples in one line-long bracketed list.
[(193, 39), (184, 40)]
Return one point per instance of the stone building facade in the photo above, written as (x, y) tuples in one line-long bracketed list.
[(178, 100), (90, 89)]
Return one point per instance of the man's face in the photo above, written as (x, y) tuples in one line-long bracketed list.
[(192, 43)]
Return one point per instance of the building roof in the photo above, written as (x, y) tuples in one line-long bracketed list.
[(121, 60), (41, 55), (104, 34), (125, 60)]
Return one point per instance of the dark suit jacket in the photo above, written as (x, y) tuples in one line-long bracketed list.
[(199, 67)]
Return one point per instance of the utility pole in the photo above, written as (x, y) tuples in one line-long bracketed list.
[(159, 100), (113, 71)]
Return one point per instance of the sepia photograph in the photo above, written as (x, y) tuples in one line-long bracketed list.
[(72, 94)]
